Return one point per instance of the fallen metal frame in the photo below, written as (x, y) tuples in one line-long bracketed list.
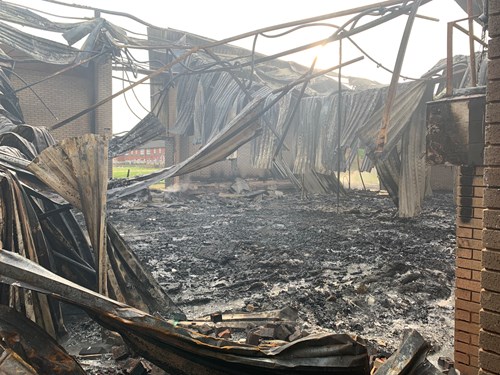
[(183, 351), (472, 56)]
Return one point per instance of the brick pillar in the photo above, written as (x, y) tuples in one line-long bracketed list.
[(103, 115), (168, 116), (103, 89), (489, 337), (468, 270)]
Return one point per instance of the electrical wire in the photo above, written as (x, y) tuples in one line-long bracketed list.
[(135, 95), (252, 67), (127, 80), (58, 72), (125, 98), (33, 91), (380, 65), (339, 124)]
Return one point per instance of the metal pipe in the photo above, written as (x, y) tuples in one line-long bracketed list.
[(339, 125), (458, 27), (473, 73), (449, 59), (380, 4), (105, 100), (391, 94)]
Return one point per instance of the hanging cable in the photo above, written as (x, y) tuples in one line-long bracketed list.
[(252, 67), (379, 65), (339, 124), (34, 92), (59, 72), (135, 96), (125, 97), (323, 24)]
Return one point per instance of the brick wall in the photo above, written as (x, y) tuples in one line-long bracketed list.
[(468, 268), (65, 95), (489, 338), (102, 89)]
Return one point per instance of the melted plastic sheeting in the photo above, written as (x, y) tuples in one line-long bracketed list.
[(13, 140), (183, 351)]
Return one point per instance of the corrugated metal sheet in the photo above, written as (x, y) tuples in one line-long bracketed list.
[(146, 130), (183, 351)]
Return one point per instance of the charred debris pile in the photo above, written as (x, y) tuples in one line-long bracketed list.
[(48, 257)]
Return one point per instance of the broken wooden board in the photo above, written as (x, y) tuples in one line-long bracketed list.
[(77, 169)]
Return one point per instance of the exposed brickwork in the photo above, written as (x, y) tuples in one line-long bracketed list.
[(468, 272), (489, 338), (102, 118), (65, 95), (102, 89)]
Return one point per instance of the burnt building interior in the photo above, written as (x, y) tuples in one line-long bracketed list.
[(257, 257)]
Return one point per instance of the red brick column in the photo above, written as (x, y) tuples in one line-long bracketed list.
[(468, 271), (489, 338)]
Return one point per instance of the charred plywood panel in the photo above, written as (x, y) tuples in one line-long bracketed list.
[(455, 130)]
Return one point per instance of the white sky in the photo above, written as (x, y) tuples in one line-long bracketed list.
[(220, 19)]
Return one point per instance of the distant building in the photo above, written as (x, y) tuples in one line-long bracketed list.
[(151, 153)]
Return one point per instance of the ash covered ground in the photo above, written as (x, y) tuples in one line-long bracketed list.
[(362, 271)]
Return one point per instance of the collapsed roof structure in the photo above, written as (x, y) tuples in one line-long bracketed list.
[(215, 81), (224, 108)]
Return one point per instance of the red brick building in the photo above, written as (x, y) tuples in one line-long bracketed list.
[(477, 304), (489, 335), (152, 153)]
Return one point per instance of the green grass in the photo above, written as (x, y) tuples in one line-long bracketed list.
[(135, 170), (369, 178), (121, 171)]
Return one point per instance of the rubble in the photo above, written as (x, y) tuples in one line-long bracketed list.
[(410, 358), (279, 252), (48, 257), (184, 351)]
